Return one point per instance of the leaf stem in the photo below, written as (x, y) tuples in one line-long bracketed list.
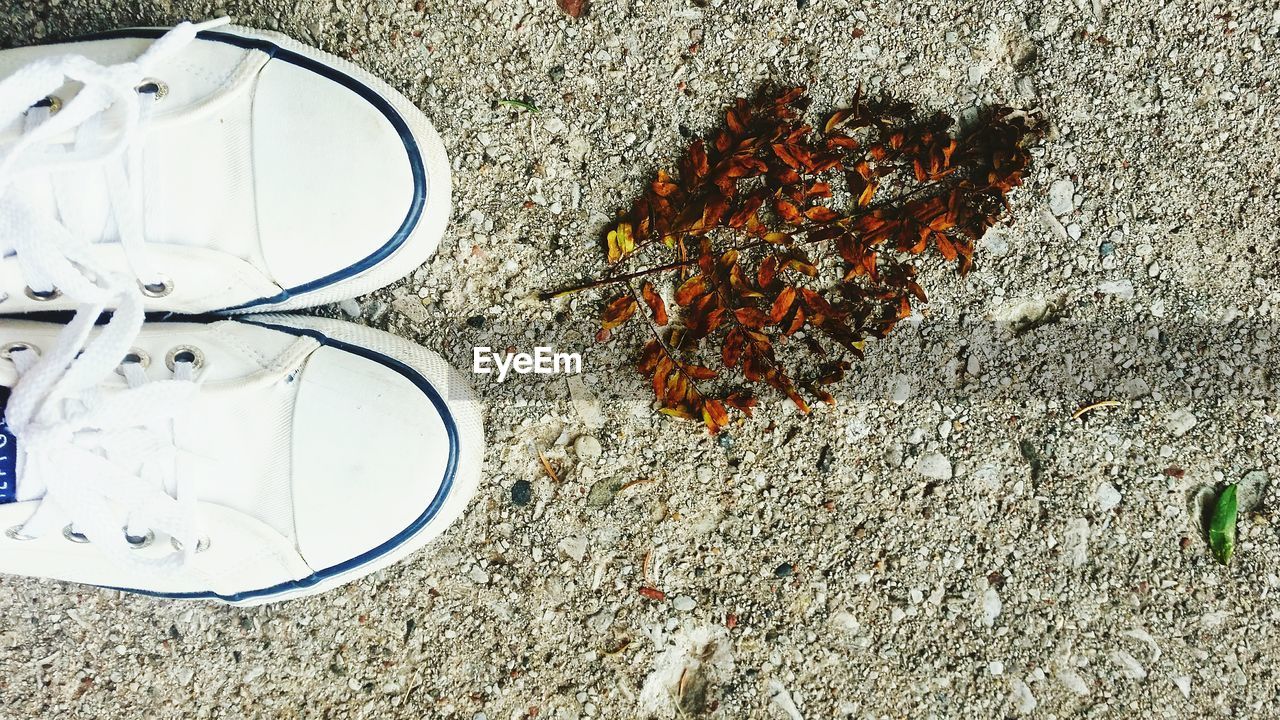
[(625, 277), (657, 336)]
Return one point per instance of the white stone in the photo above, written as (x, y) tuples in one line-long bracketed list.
[(1180, 422), (1072, 681), (1108, 496), (934, 465), (600, 621), (1062, 197), (574, 547), (1129, 665), (587, 447), (991, 607), (1183, 683), (1076, 543), (845, 620), (1122, 289), (1020, 697), (900, 390), (995, 243)]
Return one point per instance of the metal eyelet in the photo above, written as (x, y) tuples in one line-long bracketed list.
[(15, 533), (69, 532), (201, 545), (151, 86), (53, 102), (43, 295), (158, 289), (8, 349), (135, 355), (137, 542), (184, 354)]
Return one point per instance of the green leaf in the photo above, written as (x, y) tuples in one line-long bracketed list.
[(530, 107), (1222, 526)]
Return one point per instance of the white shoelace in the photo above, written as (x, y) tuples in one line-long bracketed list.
[(101, 462), (60, 157)]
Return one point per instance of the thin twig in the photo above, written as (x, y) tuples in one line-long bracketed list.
[(546, 465), (1095, 406), (696, 231), (657, 336)]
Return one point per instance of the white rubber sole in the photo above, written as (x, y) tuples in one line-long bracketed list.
[(467, 417), (421, 244)]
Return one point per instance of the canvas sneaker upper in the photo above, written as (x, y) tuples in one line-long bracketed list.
[(234, 461), (211, 166)]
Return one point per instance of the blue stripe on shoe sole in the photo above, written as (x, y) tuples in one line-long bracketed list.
[(442, 494), (369, 94)]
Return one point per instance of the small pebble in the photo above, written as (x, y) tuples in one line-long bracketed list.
[(1062, 197), (521, 493), (603, 492), (1108, 496), (1180, 422), (935, 466), (783, 570), (587, 447)]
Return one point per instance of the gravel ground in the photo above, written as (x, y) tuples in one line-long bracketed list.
[(946, 542)]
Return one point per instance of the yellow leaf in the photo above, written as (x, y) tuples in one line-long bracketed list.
[(621, 242)]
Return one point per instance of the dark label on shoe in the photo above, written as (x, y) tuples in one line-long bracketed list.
[(8, 455)]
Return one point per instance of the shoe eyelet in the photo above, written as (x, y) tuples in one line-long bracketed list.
[(184, 354), (43, 295), (158, 89), (53, 102), (8, 349), (137, 542), (15, 533), (157, 289), (69, 532), (135, 355), (201, 545)]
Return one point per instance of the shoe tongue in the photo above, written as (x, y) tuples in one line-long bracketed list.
[(8, 454)]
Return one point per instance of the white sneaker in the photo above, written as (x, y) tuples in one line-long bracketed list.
[(232, 169), (246, 462)]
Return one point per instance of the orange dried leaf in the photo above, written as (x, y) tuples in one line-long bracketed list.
[(714, 415), (788, 211), (768, 270), (692, 288), (618, 312), (821, 214), (655, 303), (782, 304), (754, 318)]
